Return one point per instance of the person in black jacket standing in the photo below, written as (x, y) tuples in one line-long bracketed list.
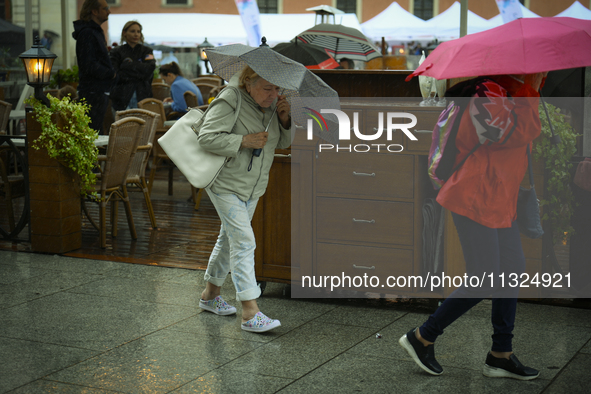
[(95, 71), (135, 64)]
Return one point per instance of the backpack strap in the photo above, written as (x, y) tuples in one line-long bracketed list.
[(467, 89)]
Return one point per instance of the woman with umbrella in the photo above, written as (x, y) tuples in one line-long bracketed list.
[(263, 125), (482, 193), (135, 64), (482, 196)]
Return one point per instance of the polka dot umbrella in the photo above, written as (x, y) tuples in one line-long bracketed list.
[(303, 89)]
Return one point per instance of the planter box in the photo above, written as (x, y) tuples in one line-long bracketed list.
[(55, 199)]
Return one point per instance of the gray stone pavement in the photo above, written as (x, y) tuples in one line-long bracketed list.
[(72, 325)]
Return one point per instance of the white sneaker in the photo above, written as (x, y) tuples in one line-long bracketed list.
[(260, 323)]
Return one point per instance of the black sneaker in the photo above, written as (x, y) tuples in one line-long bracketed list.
[(423, 355), (511, 368)]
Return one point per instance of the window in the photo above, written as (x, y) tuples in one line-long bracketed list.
[(347, 6), (114, 2), (267, 6), (424, 9)]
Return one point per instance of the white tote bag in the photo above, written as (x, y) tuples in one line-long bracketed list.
[(181, 144)]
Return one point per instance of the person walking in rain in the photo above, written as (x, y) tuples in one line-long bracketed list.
[(135, 64), (482, 196), (95, 71), (240, 184)]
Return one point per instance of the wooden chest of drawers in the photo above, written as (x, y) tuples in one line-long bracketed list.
[(352, 213)]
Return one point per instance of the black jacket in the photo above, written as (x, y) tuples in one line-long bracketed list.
[(94, 65), (134, 74)]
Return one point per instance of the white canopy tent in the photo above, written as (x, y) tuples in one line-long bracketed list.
[(577, 10), (446, 26), (191, 30), (397, 26)]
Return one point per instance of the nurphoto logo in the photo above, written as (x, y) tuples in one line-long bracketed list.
[(345, 130)]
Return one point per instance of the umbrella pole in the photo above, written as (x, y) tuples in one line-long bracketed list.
[(257, 152)]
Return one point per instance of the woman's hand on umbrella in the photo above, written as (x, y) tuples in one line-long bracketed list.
[(255, 140), (284, 110)]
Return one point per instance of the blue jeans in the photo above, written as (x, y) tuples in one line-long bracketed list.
[(234, 249), (486, 250), (133, 101)]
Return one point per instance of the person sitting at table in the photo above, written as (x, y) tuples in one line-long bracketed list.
[(172, 75)]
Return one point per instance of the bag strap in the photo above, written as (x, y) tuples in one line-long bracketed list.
[(464, 107), (236, 111), (238, 104)]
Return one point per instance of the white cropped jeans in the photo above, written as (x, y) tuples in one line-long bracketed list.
[(234, 249)]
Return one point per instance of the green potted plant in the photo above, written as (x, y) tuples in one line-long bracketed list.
[(558, 197), (68, 76), (67, 137)]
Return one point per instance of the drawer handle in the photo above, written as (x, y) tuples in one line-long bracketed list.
[(363, 173), (363, 267), (372, 221)]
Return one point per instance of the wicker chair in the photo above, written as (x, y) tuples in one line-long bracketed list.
[(11, 185), (158, 155), (205, 88), (215, 91), (124, 138), (160, 91), (5, 109), (137, 172), (212, 79), (191, 99)]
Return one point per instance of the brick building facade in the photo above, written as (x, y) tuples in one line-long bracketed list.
[(364, 9)]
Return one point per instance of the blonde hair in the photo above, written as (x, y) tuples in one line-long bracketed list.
[(127, 26), (248, 76)]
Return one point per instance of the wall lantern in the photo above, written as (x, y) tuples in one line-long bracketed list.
[(38, 62)]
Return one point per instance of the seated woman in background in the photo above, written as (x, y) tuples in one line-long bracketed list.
[(172, 75)]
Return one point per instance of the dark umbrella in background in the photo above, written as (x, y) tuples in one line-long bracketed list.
[(340, 42), (311, 56)]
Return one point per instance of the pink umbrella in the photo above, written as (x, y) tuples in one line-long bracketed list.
[(523, 46)]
